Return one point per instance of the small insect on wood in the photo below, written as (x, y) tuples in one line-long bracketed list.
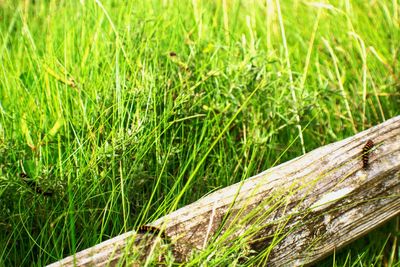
[(365, 153), (152, 230)]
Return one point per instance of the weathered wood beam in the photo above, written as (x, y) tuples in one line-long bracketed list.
[(292, 214)]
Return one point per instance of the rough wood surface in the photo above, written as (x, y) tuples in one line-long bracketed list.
[(306, 207)]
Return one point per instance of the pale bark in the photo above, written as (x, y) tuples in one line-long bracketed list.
[(295, 213)]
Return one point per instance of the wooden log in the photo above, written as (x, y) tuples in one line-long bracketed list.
[(290, 215)]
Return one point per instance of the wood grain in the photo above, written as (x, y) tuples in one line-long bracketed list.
[(293, 214)]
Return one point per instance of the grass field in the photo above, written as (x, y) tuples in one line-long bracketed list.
[(114, 113)]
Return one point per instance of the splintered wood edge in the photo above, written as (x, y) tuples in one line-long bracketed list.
[(338, 180)]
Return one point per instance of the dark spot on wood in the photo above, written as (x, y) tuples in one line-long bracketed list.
[(366, 152)]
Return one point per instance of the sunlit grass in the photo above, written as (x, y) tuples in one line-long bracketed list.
[(127, 111)]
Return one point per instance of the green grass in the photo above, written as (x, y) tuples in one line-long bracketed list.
[(96, 107)]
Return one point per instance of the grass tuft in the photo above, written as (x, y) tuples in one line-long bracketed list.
[(127, 111)]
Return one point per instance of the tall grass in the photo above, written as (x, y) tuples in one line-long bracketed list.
[(126, 111)]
